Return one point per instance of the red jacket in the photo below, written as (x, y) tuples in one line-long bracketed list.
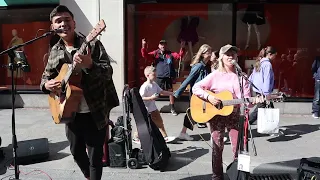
[(163, 62)]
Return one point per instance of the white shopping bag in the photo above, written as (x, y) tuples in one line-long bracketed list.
[(268, 120)]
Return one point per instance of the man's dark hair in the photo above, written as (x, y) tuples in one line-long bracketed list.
[(60, 9)]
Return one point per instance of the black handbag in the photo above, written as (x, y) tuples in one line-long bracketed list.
[(309, 169)]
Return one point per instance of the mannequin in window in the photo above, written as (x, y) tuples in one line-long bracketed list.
[(188, 32), (253, 17), (16, 40)]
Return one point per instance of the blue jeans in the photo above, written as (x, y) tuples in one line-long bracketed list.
[(315, 103)]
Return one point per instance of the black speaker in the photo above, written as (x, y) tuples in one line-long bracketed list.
[(31, 151), (117, 154)]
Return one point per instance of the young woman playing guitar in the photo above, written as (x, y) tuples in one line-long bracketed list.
[(224, 78)]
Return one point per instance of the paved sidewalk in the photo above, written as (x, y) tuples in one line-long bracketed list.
[(190, 159)]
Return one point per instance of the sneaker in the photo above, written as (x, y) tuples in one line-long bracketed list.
[(201, 125), (225, 139), (136, 140), (185, 136), (169, 139), (315, 116), (280, 133), (173, 112)]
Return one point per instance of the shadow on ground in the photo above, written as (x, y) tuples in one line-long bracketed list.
[(290, 132), (202, 177), (184, 157)]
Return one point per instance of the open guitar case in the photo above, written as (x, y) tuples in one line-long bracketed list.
[(154, 147)]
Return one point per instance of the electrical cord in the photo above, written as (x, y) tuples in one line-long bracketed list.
[(201, 135)]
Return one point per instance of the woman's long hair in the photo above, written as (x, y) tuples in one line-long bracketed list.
[(214, 65), (199, 56), (263, 53)]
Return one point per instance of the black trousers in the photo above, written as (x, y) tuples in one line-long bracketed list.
[(83, 134)]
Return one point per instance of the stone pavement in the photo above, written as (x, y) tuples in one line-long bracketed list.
[(190, 159)]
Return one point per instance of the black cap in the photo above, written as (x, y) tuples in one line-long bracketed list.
[(163, 41)]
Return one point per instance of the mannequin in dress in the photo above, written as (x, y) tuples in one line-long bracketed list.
[(253, 17), (188, 32)]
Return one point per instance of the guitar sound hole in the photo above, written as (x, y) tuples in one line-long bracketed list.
[(219, 106)]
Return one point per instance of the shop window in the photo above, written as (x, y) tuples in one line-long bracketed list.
[(292, 33), (18, 26), (197, 24), (290, 28)]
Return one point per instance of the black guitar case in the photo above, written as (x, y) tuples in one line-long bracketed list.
[(153, 145)]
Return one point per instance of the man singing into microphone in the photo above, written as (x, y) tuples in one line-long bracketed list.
[(88, 130)]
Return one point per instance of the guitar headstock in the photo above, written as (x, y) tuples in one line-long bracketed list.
[(276, 97), (101, 26)]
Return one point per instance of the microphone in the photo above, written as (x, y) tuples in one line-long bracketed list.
[(236, 65), (57, 31)]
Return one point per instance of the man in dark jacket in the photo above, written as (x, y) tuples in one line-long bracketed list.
[(94, 76), (316, 75)]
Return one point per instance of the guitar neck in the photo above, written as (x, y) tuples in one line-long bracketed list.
[(73, 65), (236, 101)]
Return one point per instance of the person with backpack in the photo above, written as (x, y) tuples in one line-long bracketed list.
[(163, 60), (199, 70)]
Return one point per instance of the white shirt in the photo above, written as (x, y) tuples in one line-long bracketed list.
[(148, 89), (83, 106)]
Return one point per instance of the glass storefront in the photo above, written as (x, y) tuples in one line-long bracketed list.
[(289, 27), (19, 25)]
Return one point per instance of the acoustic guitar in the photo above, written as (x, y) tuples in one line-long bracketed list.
[(63, 106), (202, 111)]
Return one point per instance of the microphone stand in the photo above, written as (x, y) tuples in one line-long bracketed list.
[(12, 66), (242, 142)]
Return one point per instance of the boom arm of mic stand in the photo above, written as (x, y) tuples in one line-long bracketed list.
[(247, 79), (26, 43)]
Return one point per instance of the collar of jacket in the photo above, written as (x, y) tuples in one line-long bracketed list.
[(78, 40)]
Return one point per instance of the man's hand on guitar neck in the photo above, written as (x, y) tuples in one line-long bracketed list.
[(53, 86), (85, 61)]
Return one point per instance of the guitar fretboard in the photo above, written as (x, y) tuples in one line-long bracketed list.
[(237, 101), (73, 65)]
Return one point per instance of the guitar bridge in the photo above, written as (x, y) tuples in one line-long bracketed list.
[(204, 107)]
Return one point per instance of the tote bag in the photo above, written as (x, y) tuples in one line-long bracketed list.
[(268, 120)]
